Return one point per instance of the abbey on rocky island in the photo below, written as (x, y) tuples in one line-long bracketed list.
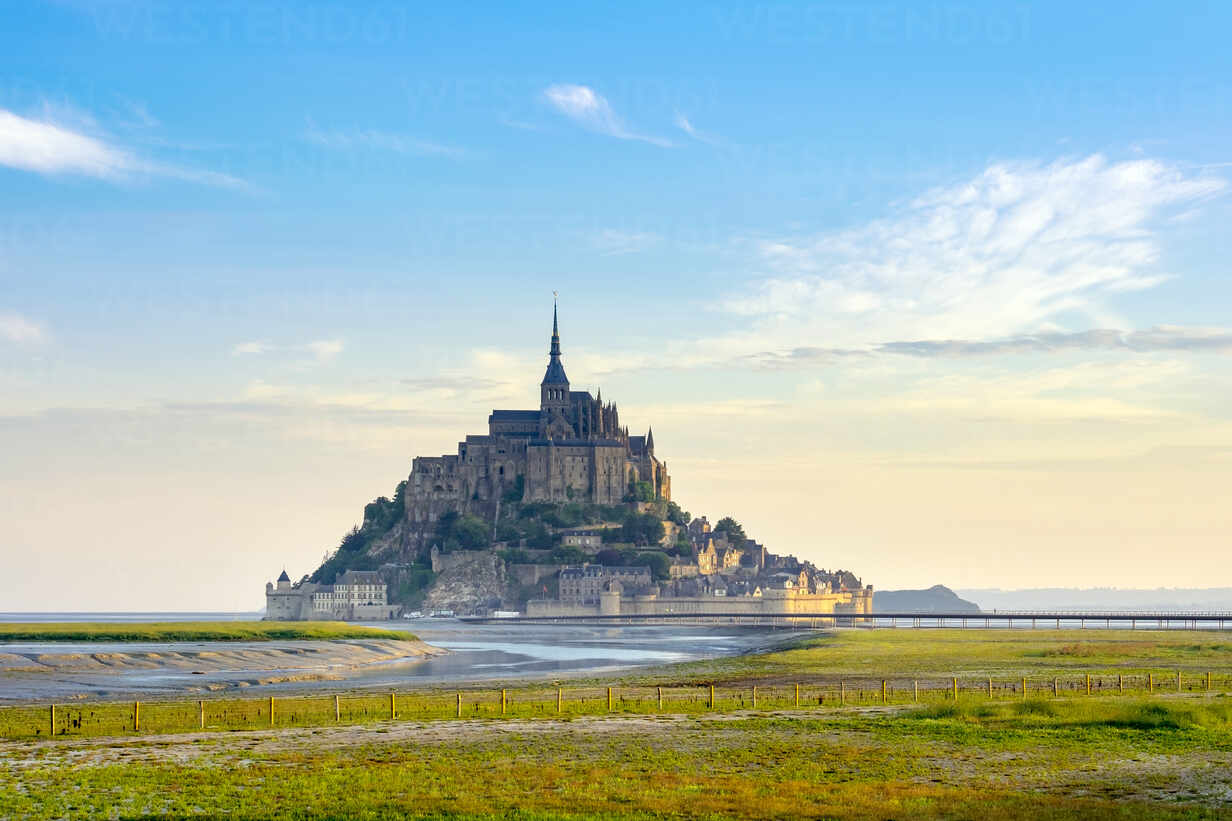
[(562, 512), (572, 448)]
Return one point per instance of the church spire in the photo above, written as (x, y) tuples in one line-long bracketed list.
[(555, 351), (650, 440), (555, 374)]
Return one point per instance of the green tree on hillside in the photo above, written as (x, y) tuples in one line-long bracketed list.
[(463, 531), (728, 525), (538, 536), (641, 492), (677, 515), (643, 529), (657, 561), (568, 555), (354, 541)]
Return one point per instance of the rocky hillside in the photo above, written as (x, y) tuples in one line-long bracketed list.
[(467, 564)]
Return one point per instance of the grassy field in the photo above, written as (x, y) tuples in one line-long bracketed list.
[(1168, 758), (1166, 755), (191, 631), (1006, 655)]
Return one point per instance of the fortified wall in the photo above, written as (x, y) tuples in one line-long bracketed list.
[(772, 602)]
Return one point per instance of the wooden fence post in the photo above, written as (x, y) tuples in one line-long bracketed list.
[(659, 693), (137, 716), (1178, 681), (1120, 684), (1024, 686), (609, 699), (560, 699), (711, 705), (883, 691), (459, 704), (1208, 679), (393, 706), (915, 691), (201, 713), (1150, 683), (503, 701), (271, 711), (798, 695), (754, 696), (337, 708), (842, 693), (956, 689), (1054, 686), (51, 721), (1088, 684)]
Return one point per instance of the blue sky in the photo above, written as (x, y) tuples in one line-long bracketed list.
[(963, 262)]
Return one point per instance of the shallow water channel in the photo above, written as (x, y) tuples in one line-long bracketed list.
[(477, 652)]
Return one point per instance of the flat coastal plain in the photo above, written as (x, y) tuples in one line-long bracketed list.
[(1158, 754)]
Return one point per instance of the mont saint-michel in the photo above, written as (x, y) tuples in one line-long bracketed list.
[(558, 510)]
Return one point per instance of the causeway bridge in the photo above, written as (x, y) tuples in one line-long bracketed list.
[(999, 619)]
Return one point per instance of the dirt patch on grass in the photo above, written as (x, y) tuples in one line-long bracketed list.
[(184, 748)]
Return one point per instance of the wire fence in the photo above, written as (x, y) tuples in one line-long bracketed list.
[(222, 714)]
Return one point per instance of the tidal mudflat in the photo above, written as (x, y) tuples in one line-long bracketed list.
[(357, 657)]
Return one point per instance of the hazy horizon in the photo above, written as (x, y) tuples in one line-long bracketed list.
[(935, 295)]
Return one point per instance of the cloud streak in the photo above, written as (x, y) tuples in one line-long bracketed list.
[(1021, 249), (322, 350), (17, 329), (45, 148), (684, 124), (1162, 338), (613, 242), (591, 110), (50, 149), (379, 141)]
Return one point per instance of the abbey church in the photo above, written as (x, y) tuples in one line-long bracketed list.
[(572, 448)]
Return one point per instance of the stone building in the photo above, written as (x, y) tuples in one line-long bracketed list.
[(354, 595), (573, 448), (582, 585), (588, 538)]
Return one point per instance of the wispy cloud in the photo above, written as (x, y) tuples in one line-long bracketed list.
[(367, 139), (18, 329), (48, 149), (1162, 338), (324, 349), (45, 147), (321, 349), (612, 241), (591, 110), (520, 125), (685, 125), (1019, 249)]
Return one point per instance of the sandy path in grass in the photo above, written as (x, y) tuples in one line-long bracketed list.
[(187, 747)]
